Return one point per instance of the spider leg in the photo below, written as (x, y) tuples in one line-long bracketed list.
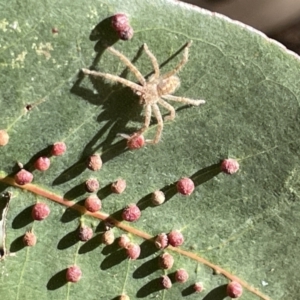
[(160, 124), (129, 64), (182, 62), (148, 112), (183, 100), (132, 85), (169, 107), (153, 60)]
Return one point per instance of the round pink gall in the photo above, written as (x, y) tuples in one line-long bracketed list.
[(94, 162), (23, 177), (185, 186), (42, 163), (136, 141), (40, 211), (73, 274), (165, 261), (119, 186), (234, 289), (161, 241), (166, 282), (175, 238), (181, 275), (131, 213), (92, 203), (230, 166), (58, 148), (133, 251), (85, 233)]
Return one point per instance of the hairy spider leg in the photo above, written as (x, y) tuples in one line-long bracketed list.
[(154, 62), (183, 100), (130, 84), (181, 63), (147, 113), (169, 107), (129, 64), (160, 124)]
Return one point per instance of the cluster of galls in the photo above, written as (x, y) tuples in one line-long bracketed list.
[(131, 213), (40, 211), (41, 164)]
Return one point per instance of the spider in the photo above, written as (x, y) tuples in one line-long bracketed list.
[(153, 91)]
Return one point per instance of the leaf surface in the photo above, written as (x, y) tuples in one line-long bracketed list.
[(246, 223)]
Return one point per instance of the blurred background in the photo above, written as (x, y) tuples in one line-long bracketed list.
[(279, 19)]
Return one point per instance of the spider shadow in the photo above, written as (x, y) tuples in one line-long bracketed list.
[(119, 106), (115, 114)]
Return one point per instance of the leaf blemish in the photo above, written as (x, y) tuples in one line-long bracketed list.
[(43, 49)]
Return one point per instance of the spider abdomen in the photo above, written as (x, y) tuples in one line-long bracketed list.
[(168, 86)]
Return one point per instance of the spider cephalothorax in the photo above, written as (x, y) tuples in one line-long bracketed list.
[(153, 91)]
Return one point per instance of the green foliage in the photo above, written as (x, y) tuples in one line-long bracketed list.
[(246, 223)]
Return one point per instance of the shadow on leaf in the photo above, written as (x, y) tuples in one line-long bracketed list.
[(110, 249), (146, 268), (75, 192), (23, 218), (206, 174), (57, 281), (219, 293), (69, 215), (147, 248), (188, 291), (68, 240), (114, 259), (149, 288), (104, 192), (90, 245), (17, 244), (170, 190)]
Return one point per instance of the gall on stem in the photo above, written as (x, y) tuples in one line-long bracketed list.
[(234, 289), (23, 177), (133, 251), (92, 203), (166, 282), (73, 274), (131, 213), (175, 238)]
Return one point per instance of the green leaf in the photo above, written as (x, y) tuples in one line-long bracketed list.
[(247, 223)]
